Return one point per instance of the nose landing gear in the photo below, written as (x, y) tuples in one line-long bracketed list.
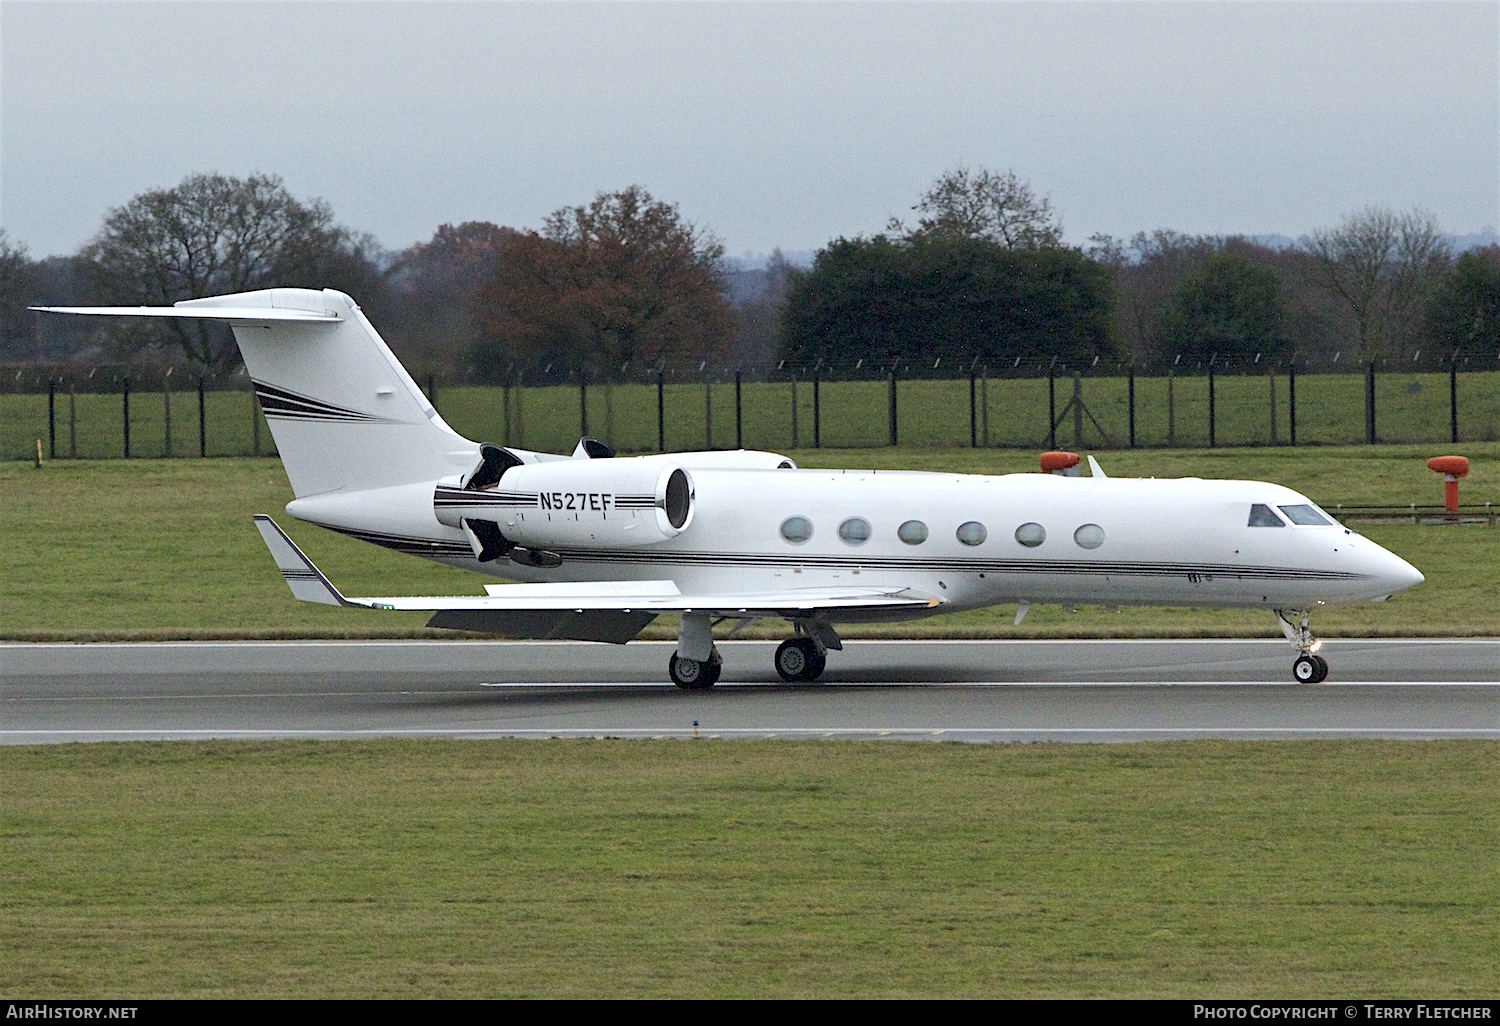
[(1309, 668)]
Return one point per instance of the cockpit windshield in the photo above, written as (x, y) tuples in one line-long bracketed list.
[(1306, 515), (1261, 516)]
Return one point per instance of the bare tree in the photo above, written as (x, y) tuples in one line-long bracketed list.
[(1381, 265), (213, 234), (17, 283), (985, 204)]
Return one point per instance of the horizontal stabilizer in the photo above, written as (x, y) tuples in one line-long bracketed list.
[(263, 314)]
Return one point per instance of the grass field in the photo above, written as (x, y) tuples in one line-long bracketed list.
[(706, 869), (166, 549), (852, 414)]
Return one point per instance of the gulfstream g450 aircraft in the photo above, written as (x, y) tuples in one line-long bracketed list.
[(605, 545)]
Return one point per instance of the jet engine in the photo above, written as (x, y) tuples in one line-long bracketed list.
[(567, 504)]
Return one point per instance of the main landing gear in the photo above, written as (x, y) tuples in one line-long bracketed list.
[(801, 659), (1309, 668)]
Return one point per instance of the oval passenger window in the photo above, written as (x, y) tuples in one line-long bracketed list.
[(1031, 535), (972, 533), (913, 532), (1089, 536), (796, 529), (855, 530)]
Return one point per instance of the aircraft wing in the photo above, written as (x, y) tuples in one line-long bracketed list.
[(584, 611)]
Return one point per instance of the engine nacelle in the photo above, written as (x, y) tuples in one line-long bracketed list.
[(617, 503)]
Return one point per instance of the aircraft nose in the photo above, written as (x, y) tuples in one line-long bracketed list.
[(1396, 574)]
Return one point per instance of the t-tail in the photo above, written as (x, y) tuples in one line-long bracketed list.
[(345, 414)]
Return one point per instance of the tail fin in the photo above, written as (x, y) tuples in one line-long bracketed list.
[(345, 414)]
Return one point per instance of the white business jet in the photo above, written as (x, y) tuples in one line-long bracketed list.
[(606, 544)]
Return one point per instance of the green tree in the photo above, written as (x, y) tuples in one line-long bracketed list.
[(1463, 313), (950, 297), (18, 282), (624, 279), (212, 234), (1229, 306)]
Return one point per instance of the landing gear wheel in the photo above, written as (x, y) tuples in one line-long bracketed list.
[(800, 659), (692, 675), (1310, 669)]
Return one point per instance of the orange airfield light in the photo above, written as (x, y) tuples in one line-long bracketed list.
[(1452, 468)]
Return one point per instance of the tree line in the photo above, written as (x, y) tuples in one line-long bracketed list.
[(980, 276)]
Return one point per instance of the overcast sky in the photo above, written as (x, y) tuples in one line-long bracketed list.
[(781, 124)]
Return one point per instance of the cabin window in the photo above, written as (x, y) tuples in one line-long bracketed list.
[(1304, 515), (1089, 536), (913, 532), (1261, 516), (855, 530), (972, 533), (1031, 535), (796, 529)]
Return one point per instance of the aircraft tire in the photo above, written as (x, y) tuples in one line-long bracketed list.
[(1322, 669), (799, 661), (692, 675), (1306, 670)]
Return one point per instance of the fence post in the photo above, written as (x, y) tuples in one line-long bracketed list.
[(583, 405), (984, 396), (1273, 405), (1078, 409), (708, 414), (51, 419), (739, 438), (1210, 406), (1453, 396), (202, 422), (505, 403), (973, 411), (1051, 407), (254, 423), (1370, 403), (1171, 408), (817, 415), (166, 411), (891, 409), (72, 422), (794, 411), (125, 417), (1291, 401), (661, 411)]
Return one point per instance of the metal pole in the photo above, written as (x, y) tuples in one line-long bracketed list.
[(126, 417), (1078, 409), (72, 422), (1370, 403), (1130, 377), (505, 401), (1171, 408), (661, 411), (1210, 406), (708, 414), (1272, 376), (51, 419), (984, 396), (166, 412), (794, 411), (817, 415), (891, 409), (973, 411), (1051, 408), (202, 422), (1453, 396), (583, 405), (739, 437), (1291, 401)]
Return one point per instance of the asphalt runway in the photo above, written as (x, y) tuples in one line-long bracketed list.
[(969, 691)]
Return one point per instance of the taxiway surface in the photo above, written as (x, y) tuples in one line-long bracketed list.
[(973, 691)]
